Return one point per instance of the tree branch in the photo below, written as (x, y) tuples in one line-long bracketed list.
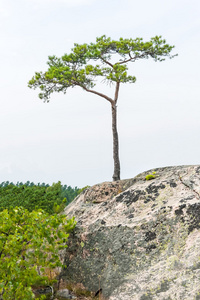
[(127, 60), (99, 94), (107, 62), (133, 58)]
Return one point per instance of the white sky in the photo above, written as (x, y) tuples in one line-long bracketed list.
[(70, 138)]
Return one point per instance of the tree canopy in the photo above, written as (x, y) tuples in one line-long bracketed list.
[(106, 59), (74, 69)]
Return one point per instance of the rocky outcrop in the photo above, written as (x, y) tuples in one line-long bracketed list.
[(138, 239)]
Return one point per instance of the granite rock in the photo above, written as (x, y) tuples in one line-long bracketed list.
[(138, 239)]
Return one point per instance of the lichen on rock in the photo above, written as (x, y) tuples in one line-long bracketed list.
[(138, 239)]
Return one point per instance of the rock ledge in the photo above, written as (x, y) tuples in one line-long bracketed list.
[(138, 239)]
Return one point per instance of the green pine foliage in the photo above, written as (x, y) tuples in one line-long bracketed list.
[(29, 246), (51, 199), (87, 62), (107, 60)]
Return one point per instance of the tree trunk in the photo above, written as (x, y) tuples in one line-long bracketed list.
[(116, 175)]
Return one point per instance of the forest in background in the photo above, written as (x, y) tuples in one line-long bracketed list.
[(50, 198)]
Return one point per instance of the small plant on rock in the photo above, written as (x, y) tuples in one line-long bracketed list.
[(151, 176)]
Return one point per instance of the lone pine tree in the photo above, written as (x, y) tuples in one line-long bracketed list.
[(107, 59)]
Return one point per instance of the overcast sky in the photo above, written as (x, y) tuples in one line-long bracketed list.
[(70, 138)]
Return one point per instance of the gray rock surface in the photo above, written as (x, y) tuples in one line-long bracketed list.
[(138, 239), (64, 294)]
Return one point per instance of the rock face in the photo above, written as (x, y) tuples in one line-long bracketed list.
[(138, 239), (64, 294)]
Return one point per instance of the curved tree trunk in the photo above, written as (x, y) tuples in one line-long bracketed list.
[(116, 175)]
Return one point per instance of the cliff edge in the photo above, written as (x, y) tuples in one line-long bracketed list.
[(138, 239)]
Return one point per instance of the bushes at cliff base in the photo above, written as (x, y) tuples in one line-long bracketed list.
[(29, 245)]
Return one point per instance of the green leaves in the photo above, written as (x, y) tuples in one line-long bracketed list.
[(28, 242), (106, 58), (52, 199), (151, 176)]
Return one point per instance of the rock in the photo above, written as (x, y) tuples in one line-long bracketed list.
[(64, 294), (138, 239), (44, 290)]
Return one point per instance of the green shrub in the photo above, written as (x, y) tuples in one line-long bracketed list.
[(151, 176), (29, 245)]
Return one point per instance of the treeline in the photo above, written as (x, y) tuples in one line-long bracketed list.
[(51, 199)]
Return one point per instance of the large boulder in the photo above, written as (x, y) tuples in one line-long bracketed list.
[(138, 239)]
